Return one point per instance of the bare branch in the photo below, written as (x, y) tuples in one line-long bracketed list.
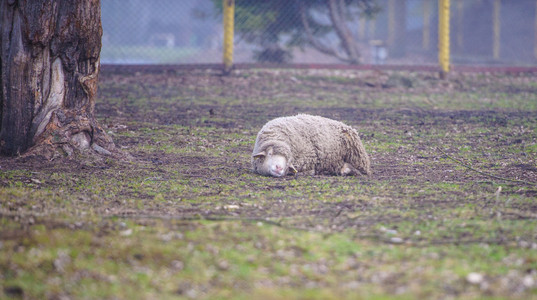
[(315, 42), (485, 173), (335, 9)]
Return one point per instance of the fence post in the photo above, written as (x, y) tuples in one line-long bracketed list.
[(426, 34), (535, 33), (443, 37), (496, 29), (229, 13)]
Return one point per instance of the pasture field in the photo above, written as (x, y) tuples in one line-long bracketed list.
[(450, 211)]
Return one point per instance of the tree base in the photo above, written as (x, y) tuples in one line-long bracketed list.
[(50, 67), (69, 134)]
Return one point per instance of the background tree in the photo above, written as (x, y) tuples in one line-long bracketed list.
[(279, 25), (49, 61)]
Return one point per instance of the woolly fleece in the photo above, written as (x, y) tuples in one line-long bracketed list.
[(313, 144)]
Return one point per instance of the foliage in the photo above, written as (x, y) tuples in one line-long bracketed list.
[(278, 24)]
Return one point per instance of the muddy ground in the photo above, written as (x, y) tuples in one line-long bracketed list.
[(453, 161)]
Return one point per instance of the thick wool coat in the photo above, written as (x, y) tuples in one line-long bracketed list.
[(314, 144)]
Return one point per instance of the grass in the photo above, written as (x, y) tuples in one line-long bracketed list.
[(154, 259), (146, 54), (185, 218)]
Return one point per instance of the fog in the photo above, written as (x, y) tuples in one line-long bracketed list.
[(190, 32)]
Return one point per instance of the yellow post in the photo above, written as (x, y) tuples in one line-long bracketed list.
[(229, 14), (496, 29), (535, 33), (443, 36)]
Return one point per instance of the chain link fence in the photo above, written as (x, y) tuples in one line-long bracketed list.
[(398, 32)]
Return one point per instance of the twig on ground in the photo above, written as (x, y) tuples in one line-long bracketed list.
[(519, 214), (207, 218), (485, 173)]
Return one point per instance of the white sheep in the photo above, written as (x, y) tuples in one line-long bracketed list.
[(309, 144)]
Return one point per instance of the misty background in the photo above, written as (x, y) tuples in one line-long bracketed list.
[(403, 32)]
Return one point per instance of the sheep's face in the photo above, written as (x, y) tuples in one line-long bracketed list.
[(270, 164)]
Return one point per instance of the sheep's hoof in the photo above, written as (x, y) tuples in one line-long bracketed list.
[(349, 170), (346, 170), (293, 169)]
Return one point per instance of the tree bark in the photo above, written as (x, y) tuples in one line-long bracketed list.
[(313, 41), (49, 62), (336, 9), (336, 12)]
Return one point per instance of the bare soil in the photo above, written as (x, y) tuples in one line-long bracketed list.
[(427, 134), (454, 176)]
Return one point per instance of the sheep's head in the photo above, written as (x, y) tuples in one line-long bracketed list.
[(271, 162)]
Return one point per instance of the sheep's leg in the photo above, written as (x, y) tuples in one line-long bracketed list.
[(308, 172), (345, 170), (348, 169)]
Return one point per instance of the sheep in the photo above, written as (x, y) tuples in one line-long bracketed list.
[(309, 144)]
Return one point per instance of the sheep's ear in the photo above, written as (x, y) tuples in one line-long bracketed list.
[(261, 154)]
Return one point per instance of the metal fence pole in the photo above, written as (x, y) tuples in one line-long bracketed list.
[(229, 13), (443, 36), (535, 33), (496, 29)]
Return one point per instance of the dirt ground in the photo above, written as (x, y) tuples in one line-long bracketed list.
[(407, 108), (449, 157)]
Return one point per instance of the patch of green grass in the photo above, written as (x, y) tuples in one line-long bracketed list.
[(147, 54), (208, 259), (187, 218)]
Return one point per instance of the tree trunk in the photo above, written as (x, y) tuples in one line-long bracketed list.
[(336, 9), (312, 40), (336, 12), (49, 61)]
